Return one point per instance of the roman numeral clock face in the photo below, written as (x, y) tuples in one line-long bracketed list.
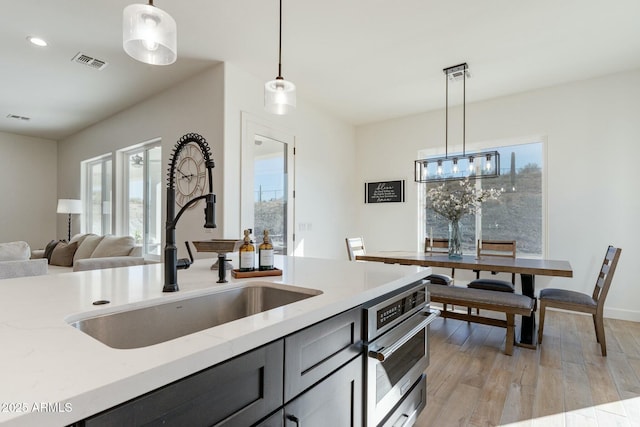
[(191, 174)]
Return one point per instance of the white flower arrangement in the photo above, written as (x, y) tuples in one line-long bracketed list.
[(453, 203)]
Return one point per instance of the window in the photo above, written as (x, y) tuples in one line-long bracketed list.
[(97, 195), (142, 198), (139, 188), (516, 215)]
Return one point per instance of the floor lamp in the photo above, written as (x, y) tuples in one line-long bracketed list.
[(69, 207)]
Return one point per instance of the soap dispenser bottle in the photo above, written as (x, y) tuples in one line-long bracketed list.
[(265, 253), (247, 254)]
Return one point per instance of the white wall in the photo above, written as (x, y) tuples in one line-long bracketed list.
[(28, 171), (212, 104), (592, 130), (325, 178), (195, 105)]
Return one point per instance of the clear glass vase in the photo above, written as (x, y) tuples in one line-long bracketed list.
[(455, 240)]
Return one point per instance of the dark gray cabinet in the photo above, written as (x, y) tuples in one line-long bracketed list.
[(275, 420), (239, 392), (336, 401), (314, 375), (314, 352)]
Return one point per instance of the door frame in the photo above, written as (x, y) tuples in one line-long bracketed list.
[(251, 126)]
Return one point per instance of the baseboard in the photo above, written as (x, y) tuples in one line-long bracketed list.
[(610, 313), (622, 314)]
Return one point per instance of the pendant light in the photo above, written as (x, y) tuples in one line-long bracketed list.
[(279, 94), (149, 34), (476, 165)]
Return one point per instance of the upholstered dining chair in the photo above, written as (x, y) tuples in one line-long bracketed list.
[(494, 248), (355, 246), (578, 301)]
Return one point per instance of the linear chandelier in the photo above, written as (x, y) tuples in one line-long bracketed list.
[(484, 164)]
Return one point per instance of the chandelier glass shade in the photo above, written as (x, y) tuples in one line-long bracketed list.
[(476, 165), (485, 164), (149, 34)]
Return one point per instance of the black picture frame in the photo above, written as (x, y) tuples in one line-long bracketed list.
[(384, 191)]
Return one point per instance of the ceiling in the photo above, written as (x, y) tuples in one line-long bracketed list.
[(361, 60)]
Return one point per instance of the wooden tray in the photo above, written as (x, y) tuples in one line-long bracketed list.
[(256, 273), (218, 245)]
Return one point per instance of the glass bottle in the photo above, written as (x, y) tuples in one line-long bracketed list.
[(247, 254), (265, 253)]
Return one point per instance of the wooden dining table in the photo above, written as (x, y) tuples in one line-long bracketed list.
[(527, 268)]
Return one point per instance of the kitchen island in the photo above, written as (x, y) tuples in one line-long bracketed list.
[(53, 374)]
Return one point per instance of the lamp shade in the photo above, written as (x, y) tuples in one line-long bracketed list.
[(69, 206), (279, 96), (149, 34)]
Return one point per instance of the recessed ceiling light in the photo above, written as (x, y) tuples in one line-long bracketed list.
[(37, 41)]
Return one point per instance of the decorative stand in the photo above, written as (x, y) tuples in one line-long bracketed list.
[(222, 247)]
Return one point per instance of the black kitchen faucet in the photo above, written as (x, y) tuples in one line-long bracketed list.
[(171, 262)]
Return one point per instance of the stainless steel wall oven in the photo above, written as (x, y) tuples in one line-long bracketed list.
[(397, 346)]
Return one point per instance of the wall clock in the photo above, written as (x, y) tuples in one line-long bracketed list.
[(191, 174)]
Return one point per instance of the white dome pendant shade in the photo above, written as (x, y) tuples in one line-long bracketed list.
[(149, 34), (279, 94)]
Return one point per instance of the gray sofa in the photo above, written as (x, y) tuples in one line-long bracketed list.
[(93, 252), (83, 252), (15, 262)]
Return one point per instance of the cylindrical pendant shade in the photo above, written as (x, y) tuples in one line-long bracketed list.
[(279, 96), (149, 34)]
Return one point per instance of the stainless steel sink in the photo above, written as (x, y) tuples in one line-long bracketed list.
[(141, 327)]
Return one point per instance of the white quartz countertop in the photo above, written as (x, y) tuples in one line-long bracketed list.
[(53, 374)]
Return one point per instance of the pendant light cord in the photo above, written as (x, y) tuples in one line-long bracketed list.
[(446, 113), (446, 116), (280, 44), (464, 106)]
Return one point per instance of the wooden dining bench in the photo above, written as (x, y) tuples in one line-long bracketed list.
[(507, 303)]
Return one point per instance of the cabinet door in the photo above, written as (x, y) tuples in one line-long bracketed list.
[(275, 420), (238, 392), (313, 353), (335, 402)]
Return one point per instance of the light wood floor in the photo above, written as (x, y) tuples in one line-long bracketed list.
[(564, 382)]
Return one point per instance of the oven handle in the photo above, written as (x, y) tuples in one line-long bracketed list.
[(386, 352)]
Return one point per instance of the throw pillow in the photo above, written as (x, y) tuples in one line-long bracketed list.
[(80, 238), (48, 250), (63, 254), (86, 248), (14, 251), (114, 246)]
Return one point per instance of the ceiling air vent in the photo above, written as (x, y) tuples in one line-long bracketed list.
[(17, 117), (90, 61)]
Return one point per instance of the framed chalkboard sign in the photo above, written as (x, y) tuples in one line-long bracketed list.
[(384, 191)]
